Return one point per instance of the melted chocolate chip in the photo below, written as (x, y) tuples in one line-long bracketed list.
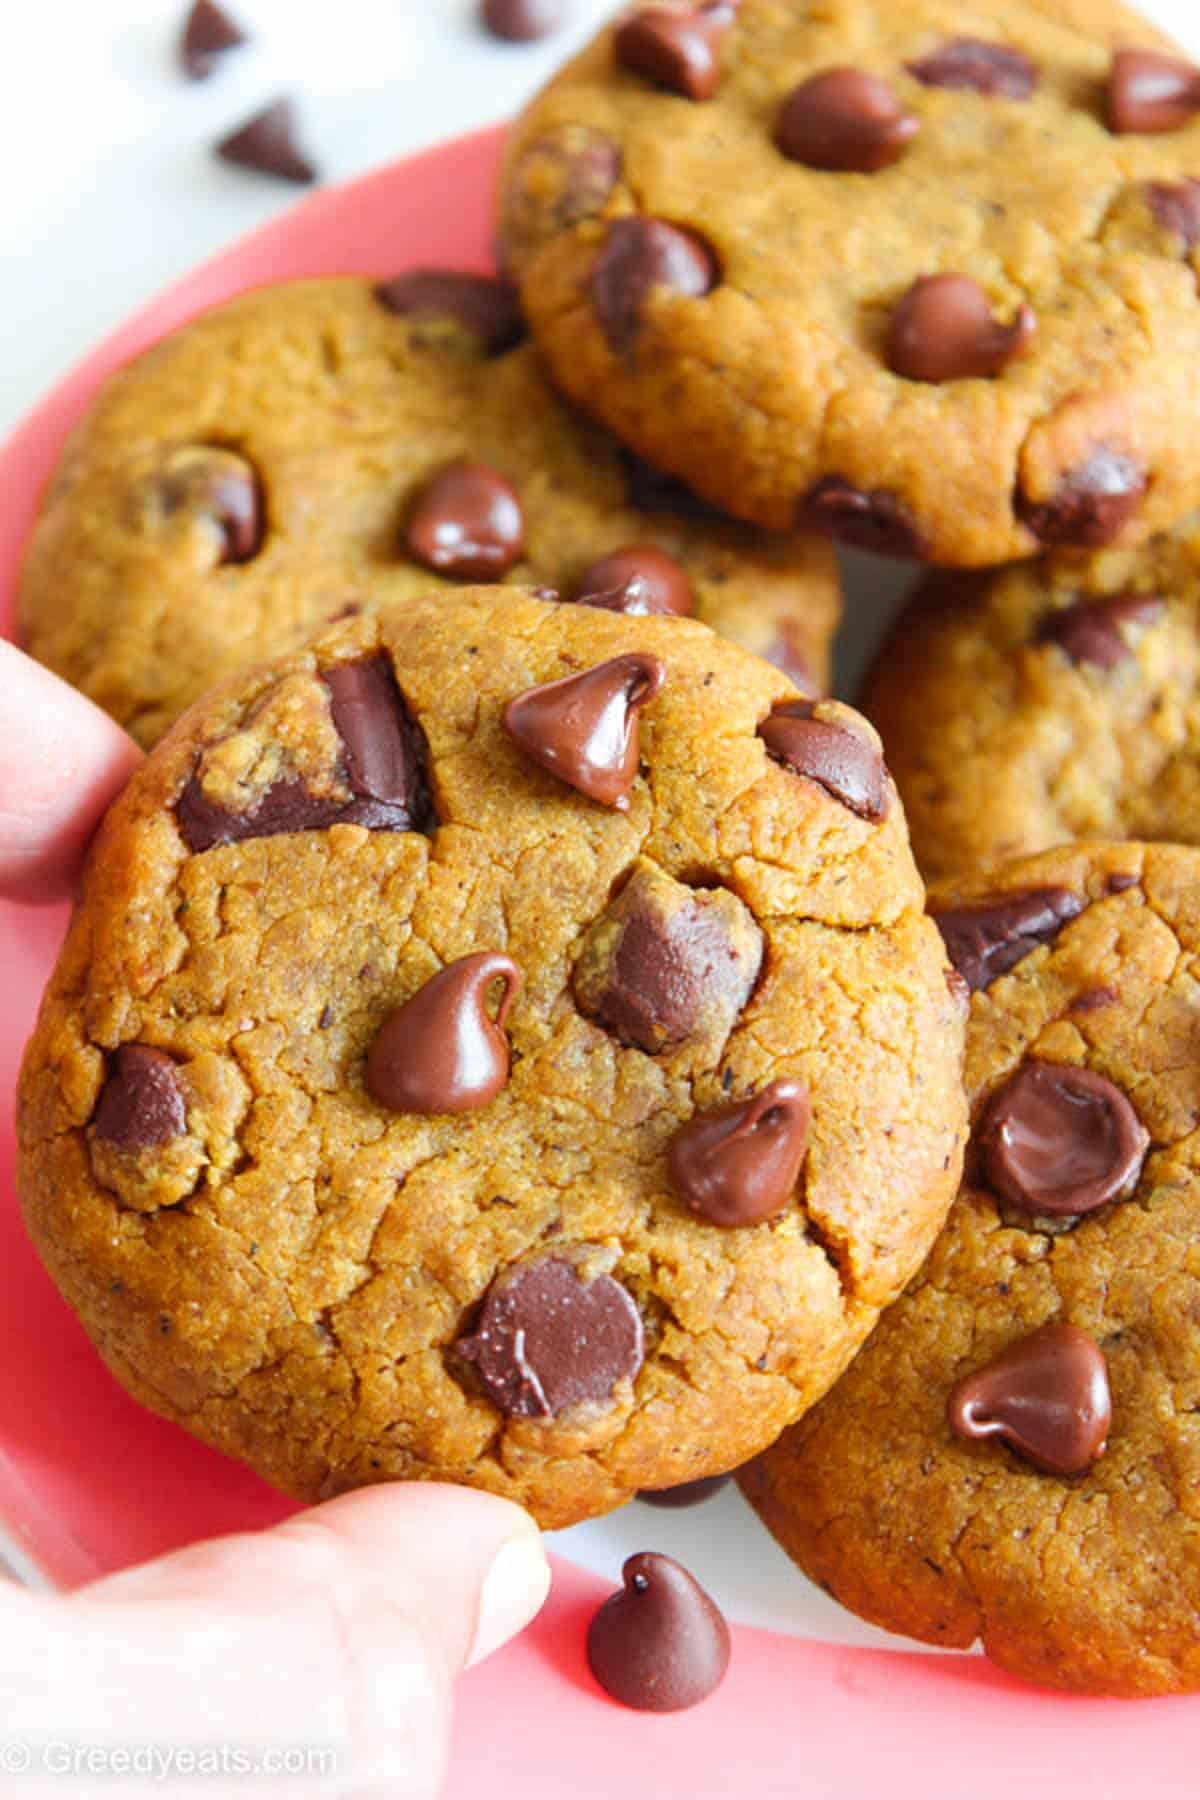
[(985, 940), (739, 1165), (584, 729), (467, 524), (1058, 1142), (848, 767), (1150, 93), (1046, 1396), (688, 1493), (679, 51), (651, 490), (522, 21), (548, 1340), (442, 1052), (844, 119), (992, 69), (220, 486), (483, 305), (207, 34), (639, 255), (1176, 206), (1090, 506), (267, 144), (141, 1103), (658, 1644), (638, 578), (1090, 631), (870, 519), (943, 330)]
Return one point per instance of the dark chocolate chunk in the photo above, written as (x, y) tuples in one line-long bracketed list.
[(1176, 206), (1090, 631), (993, 69), (522, 21), (638, 578), (221, 487), (1057, 1141), (208, 33), (687, 1493), (847, 766), (1090, 506), (986, 939), (482, 304), (740, 1164), (640, 254), (1046, 1396), (844, 119), (442, 1052), (679, 51), (943, 330), (468, 524), (267, 144), (584, 729), (869, 519), (141, 1103), (659, 1644), (1150, 93)]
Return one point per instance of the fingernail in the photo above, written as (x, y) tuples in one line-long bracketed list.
[(514, 1589)]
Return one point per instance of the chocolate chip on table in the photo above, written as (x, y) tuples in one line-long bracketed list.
[(687, 1493), (986, 939), (943, 330), (1090, 631), (267, 144), (1047, 1396), (847, 766), (1091, 504), (639, 255), (868, 519), (677, 50), (1176, 206), (993, 69), (584, 729), (484, 305), (467, 524), (739, 1165), (208, 33), (1058, 1142), (639, 579), (659, 1644), (1149, 93), (548, 1339), (522, 21), (218, 485), (141, 1103), (844, 119), (442, 1052)]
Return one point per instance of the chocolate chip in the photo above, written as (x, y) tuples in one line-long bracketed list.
[(1046, 1396), (1094, 1000), (992, 69), (584, 729), (688, 1493), (638, 578), (267, 144), (482, 304), (220, 486), (441, 1052), (208, 33), (869, 519), (1091, 505), (522, 21), (943, 330), (468, 524), (652, 490), (1150, 93), (739, 1165), (847, 766), (141, 1103), (844, 119), (985, 940), (1176, 206), (639, 255), (1090, 631), (548, 1339), (679, 51), (1120, 882), (558, 180), (659, 1644), (1058, 1142)]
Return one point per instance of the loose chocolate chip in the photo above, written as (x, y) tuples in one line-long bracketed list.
[(522, 21), (848, 767), (1090, 631), (943, 330), (442, 1052), (869, 520), (141, 1102), (992, 69), (1046, 1396), (679, 51), (207, 34), (651, 490), (1091, 505), (986, 940), (267, 144), (639, 255), (482, 304), (1176, 206), (844, 119), (688, 1493), (548, 1340), (1150, 93), (1058, 1142), (658, 1644), (739, 1165), (584, 729), (468, 524), (220, 486), (638, 578)]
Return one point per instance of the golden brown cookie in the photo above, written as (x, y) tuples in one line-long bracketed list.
[(501, 1042), (1015, 1456), (923, 277), (327, 443)]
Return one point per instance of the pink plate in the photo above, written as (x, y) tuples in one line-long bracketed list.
[(89, 1483)]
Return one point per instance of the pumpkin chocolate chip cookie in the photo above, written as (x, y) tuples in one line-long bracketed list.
[(924, 279), (1015, 1456), (327, 443), (496, 1042)]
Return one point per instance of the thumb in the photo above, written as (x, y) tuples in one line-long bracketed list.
[(337, 1632)]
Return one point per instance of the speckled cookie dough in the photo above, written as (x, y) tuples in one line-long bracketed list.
[(493, 1044), (921, 274), (1015, 1456), (323, 444)]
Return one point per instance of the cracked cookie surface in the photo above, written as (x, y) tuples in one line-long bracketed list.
[(397, 907), (1084, 969)]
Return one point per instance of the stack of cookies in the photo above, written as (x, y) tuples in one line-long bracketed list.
[(504, 1036)]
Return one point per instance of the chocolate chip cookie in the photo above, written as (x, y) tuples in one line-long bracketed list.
[(1051, 700), (927, 281), (502, 1041), (1015, 1456), (331, 443)]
